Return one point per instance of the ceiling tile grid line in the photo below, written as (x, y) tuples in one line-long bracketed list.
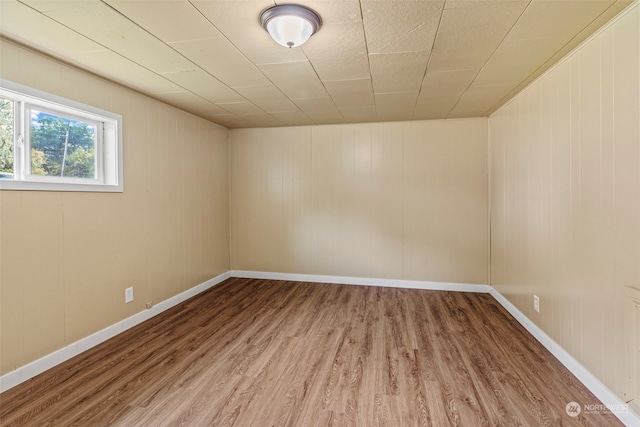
[(611, 11), (239, 50), (527, 3), (424, 75), (157, 95), (225, 108), (229, 106), (105, 48), (366, 47), (371, 60), (325, 88)]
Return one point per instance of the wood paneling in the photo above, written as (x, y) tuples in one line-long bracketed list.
[(255, 352), (565, 200), (404, 200), (67, 257)]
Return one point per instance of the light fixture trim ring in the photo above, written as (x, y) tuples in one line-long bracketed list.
[(296, 10)]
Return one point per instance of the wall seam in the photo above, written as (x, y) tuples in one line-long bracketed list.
[(229, 201), (489, 246)]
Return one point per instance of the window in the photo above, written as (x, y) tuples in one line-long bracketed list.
[(51, 143)]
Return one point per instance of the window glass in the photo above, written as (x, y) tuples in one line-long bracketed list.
[(52, 143), (62, 146), (6, 138)]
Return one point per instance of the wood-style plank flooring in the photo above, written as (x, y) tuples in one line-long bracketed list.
[(272, 353)]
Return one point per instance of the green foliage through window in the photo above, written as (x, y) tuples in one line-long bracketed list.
[(37, 162), (6, 135), (49, 143), (68, 146)]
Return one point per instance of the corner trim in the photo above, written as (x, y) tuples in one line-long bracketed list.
[(30, 370)]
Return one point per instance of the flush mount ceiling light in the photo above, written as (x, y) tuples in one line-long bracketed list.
[(290, 25)]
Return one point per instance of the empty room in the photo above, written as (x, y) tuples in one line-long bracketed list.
[(319, 213)]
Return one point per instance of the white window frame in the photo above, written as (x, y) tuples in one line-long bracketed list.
[(108, 149)]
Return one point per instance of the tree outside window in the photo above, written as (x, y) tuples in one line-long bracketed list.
[(6, 137), (61, 146)]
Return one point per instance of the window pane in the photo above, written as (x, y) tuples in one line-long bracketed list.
[(62, 146), (6, 139)]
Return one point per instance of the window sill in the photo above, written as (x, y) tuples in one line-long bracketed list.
[(55, 186)]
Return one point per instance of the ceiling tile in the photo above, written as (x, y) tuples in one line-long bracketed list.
[(222, 60), (119, 68), (293, 118), (170, 21), (562, 18), (239, 21), (432, 111), (576, 39), (269, 98), (359, 114), (514, 60), (395, 106), (207, 86), (442, 106), (478, 100), (424, 59), (467, 36), (122, 36), (339, 52), (17, 21), (318, 108), (329, 120), (295, 79), (190, 101), (51, 5), (263, 120), (241, 108), (452, 4), (447, 86), (400, 26), (351, 93), (336, 11), (452, 78), (398, 72), (231, 121)]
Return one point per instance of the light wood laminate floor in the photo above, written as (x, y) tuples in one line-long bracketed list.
[(271, 353)]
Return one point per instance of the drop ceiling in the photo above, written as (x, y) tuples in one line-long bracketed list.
[(372, 60)]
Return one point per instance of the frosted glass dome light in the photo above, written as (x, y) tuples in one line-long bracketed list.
[(290, 25)]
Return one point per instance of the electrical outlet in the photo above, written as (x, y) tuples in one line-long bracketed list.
[(536, 303), (128, 295)]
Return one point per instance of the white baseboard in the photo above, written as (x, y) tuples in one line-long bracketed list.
[(621, 410), (608, 398), (36, 367), (366, 281)]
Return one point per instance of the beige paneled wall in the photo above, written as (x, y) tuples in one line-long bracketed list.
[(565, 204), (403, 200), (67, 257)]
